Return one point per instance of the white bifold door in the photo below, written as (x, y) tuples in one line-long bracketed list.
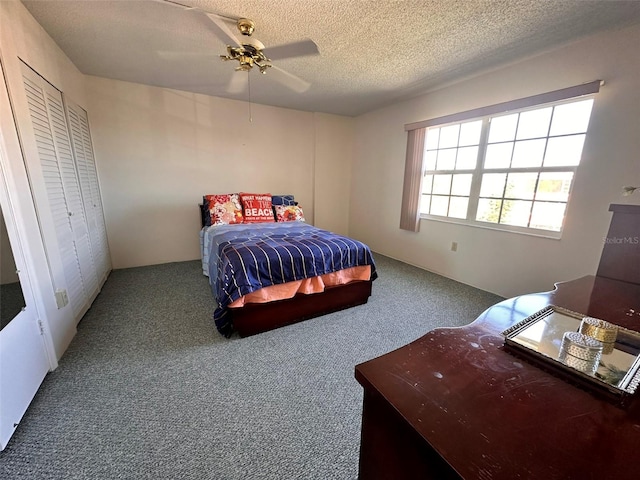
[(67, 194)]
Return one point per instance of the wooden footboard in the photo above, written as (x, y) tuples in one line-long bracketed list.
[(261, 317)]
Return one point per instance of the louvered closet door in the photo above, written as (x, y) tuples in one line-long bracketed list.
[(88, 175), (63, 190)]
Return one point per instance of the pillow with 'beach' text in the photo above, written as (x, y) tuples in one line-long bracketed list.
[(256, 207)]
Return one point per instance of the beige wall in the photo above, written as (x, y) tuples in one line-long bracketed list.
[(158, 151), (506, 263), (34, 46), (333, 157)]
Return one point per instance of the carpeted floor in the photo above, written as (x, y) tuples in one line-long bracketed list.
[(149, 390)]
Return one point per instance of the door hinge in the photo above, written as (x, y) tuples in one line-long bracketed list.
[(41, 326)]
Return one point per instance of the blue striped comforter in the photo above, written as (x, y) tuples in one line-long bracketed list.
[(244, 258)]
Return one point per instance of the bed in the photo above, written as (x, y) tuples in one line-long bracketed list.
[(268, 275)]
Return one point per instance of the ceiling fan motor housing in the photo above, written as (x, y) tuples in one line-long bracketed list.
[(246, 26)]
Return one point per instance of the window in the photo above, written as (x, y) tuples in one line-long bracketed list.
[(511, 169)]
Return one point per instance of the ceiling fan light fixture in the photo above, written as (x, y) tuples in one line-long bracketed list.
[(247, 56)]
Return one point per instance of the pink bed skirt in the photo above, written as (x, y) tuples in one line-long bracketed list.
[(306, 286)]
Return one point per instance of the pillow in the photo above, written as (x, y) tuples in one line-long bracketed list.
[(204, 214), (256, 207), (223, 209), (289, 213), (283, 200)]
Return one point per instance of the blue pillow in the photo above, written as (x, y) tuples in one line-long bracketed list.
[(283, 200), (205, 218)]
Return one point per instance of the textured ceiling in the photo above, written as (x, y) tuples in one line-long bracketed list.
[(372, 52)]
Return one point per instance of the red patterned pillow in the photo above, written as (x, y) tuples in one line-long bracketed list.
[(224, 209), (289, 213), (256, 207)]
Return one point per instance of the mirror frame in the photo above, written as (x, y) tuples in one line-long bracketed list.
[(620, 393), (9, 251)]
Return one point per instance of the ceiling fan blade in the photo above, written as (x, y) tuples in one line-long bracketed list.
[(290, 50), (222, 30), (288, 79), (175, 4), (238, 82)]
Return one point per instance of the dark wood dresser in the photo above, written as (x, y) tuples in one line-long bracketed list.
[(456, 404)]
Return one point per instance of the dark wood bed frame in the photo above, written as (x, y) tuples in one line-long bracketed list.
[(260, 317), (256, 318)]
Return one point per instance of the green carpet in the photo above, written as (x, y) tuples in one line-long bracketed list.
[(149, 389)]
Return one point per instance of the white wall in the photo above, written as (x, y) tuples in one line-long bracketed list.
[(506, 263), (158, 151)]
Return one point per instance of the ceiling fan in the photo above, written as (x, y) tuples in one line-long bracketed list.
[(250, 52)]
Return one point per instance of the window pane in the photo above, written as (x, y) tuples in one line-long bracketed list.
[(470, 133), (467, 158), (534, 124), (498, 155), (458, 207), (449, 136), (488, 210), (515, 212), (431, 142), (442, 184), (427, 181), (525, 161), (493, 185), (461, 184), (425, 201), (571, 118), (521, 185), (564, 151), (548, 216), (446, 159), (430, 160), (528, 153), (503, 128), (439, 205), (554, 186)]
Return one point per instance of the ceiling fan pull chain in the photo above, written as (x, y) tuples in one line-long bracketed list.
[(249, 88)]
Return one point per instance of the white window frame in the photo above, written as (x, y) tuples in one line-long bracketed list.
[(485, 114)]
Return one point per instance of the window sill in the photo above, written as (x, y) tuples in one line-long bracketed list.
[(497, 228)]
